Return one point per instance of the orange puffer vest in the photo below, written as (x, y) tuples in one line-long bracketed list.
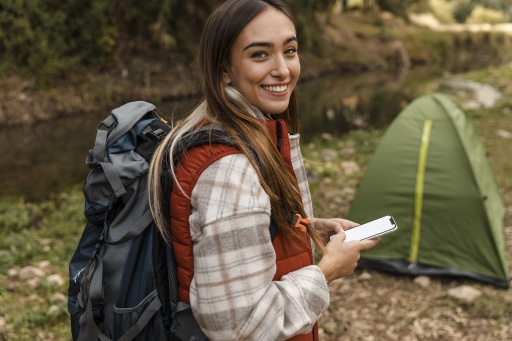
[(291, 254)]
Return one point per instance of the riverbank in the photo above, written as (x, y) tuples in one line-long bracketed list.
[(39, 238), (353, 43)]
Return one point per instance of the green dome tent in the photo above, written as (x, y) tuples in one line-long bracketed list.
[(431, 173)]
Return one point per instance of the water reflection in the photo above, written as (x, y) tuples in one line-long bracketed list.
[(50, 157), (339, 103)]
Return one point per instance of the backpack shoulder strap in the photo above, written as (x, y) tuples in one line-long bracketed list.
[(215, 134)]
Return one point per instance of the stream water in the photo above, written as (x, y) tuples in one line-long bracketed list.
[(49, 157)]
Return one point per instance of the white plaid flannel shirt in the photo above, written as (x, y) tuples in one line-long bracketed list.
[(233, 296)]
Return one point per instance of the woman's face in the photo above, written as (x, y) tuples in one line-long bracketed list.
[(264, 62)]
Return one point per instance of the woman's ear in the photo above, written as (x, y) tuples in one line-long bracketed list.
[(226, 77)]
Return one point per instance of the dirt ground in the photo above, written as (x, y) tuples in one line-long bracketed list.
[(376, 306), (370, 305)]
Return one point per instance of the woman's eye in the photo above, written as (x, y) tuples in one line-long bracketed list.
[(259, 54), (291, 50)]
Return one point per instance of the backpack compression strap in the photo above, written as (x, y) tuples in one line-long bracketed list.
[(88, 327)]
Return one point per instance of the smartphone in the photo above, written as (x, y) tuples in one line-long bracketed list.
[(372, 229)]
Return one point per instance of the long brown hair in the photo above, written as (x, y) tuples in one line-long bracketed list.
[(224, 105)]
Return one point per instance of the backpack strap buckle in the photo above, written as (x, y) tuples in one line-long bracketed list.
[(156, 134), (98, 312)]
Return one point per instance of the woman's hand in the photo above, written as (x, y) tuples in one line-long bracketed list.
[(340, 258), (333, 225)]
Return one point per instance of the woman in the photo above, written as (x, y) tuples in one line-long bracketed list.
[(242, 282)]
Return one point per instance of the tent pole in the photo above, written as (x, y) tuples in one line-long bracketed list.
[(418, 193)]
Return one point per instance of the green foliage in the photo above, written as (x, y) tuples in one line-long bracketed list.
[(308, 28), (396, 7), (49, 37), (462, 10), (46, 39), (418, 6), (308, 34), (13, 215), (311, 5), (442, 10), (29, 234), (482, 15), (29, 231), (498, 5), (487, 11)]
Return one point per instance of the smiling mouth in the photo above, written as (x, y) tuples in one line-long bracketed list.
[(277, 89)]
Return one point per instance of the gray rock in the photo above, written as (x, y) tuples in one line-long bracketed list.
[(30, 272), (56, 279), (422, 281), (464, 293)]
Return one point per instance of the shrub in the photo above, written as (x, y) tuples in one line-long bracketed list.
[(462, 10), (482, 15), (49, 37), (442, 10)]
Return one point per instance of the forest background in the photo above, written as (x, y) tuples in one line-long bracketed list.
[(67, 57), (76, 57)]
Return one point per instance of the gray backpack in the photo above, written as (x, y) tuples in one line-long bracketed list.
[(123, 283)]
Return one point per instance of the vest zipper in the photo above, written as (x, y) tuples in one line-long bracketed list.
[(279, 136)]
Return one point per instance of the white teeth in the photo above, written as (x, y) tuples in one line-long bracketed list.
[(280, 88)]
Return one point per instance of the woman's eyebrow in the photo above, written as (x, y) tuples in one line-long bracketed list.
[(289, 40), (267, 44), (258, 44)]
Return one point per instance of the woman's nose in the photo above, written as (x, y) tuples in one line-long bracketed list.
[(280, 67)]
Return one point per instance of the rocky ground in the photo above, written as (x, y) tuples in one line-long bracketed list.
[(375, 306)]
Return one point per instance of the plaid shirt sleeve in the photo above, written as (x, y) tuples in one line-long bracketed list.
[(233, 296)]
